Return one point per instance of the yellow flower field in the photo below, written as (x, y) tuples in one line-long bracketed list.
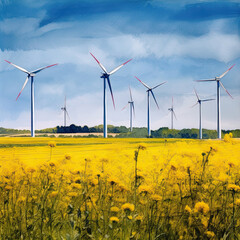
[(81, 188)]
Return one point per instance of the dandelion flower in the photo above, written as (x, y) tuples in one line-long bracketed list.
[(210, 234), (201, 207), (72, 194), (156, 197), (128, 207), (114, 219), (238, 202), (233, 187), (139, 218), (114, 209), (145, 189)]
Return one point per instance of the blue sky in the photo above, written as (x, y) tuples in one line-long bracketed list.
[(173, 41)]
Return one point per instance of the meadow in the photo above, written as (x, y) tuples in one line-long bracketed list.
[(119, 188)]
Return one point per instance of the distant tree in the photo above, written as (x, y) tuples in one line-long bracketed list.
[(85, 129)]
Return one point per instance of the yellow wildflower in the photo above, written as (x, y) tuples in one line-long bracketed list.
[(31, 170), (72, 194), (156, 197), (8, 187), (76, 186), (201, 207), (139, 218), (67, 156), (142, 146), (145, 189), (238, 202), (233, 187), (210, 234), (188, 209), (53, 194), (52, 144), (21, 199), (114, 219), (128, 207), (114, 209)]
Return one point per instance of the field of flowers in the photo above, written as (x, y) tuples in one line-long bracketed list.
[(70, 188)]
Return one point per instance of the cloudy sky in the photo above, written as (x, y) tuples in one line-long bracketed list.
[(174, 41)]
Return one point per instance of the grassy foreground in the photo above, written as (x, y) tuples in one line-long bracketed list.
[(119, 189)]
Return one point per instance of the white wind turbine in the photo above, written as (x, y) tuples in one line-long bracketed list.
[(105, 76), (172, 114), (149, 90), (131, 102), (65, 112), (30, 74), (218, 80), (199, 101)]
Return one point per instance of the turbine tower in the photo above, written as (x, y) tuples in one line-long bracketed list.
[(199, 101), (131, 102), (218, 80), (105, 76), (172, 114), (64, 109), (30, 75), (149, 90)]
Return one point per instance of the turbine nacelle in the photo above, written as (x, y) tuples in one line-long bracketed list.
[(104, 75)]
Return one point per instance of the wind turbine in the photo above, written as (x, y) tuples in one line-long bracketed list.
[(65, 112), (199, 101), (131, 102), (172, 114), (30, 75), (149, 90), (105, 76), (218, 80)]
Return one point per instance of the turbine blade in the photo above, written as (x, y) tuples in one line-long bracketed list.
[(172, 102), (130, 94), (206, 100), (109, 84), (117, 68), (133, 108), (23, 87), (124, 107), (20, 68), (144, 84), (226, 90), (40, 69), (196, 94), (205, 80), (174, 115), (194, 105), (67, 113), (227, 71), (154, 98), (101, 66), (158, 85)]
